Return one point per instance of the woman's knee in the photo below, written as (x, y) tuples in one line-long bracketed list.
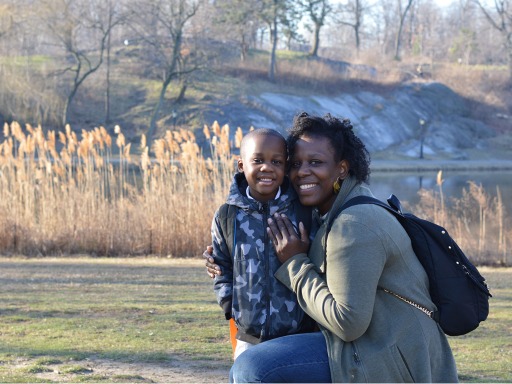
[(246, 366), (296, 358)]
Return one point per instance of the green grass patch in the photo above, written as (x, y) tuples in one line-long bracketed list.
[(128, 379), (486, 353), (97, 379), (38, 369), (48, 361), (76, 369), (131, 310), (57, 313)]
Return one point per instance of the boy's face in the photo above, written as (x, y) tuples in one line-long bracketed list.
[(263, 163)]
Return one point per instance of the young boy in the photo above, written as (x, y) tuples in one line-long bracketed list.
[(247, 290)]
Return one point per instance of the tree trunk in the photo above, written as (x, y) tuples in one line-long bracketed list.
[(181, 94), (243, 49), (398, 41), (67, 105), (358, 37), (316, 41), (171, 73), (272, 63), (156, 110), (509, 56), (107, 90)]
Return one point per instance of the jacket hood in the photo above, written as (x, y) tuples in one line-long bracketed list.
[(349, 188), (238, 197)]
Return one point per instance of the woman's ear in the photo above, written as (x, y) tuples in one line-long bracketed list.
[(344, 169)]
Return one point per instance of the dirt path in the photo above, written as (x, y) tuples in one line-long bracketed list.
[(98, 370)]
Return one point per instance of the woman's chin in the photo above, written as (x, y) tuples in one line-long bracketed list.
[(308, 200)]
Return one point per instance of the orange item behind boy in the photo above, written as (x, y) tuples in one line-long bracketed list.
[(232, 333)]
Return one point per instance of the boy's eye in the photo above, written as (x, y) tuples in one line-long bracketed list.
[(277, 162), (256, 160)]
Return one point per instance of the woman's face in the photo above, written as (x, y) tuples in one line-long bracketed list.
[(314, 170)]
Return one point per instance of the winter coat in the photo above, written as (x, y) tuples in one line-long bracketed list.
[(371, 335), (262, 307)]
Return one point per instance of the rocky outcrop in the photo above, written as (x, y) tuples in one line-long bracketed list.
[(411, 114)]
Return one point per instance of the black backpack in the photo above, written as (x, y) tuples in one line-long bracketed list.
[(456, 287)]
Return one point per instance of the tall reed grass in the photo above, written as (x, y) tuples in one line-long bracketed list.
[(61, 194), (477, 220)]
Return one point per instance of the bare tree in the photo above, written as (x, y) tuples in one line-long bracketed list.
[(403, 14), (500, 17), (382, 24), (274, 13), (161, 26), (81, 30), (351, 14), (271, 16), (111, 20), (290, 27), (317, 11), (427, 37), (6, 19), (240, 17)]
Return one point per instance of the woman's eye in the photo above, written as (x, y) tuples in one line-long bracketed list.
[(295, 164), (315, 162)]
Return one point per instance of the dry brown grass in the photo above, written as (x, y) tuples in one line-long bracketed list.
[(65, 195), (477, 221)]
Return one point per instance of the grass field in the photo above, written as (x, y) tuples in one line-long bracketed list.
[(63, 319)]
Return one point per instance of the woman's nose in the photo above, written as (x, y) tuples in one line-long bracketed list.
[(303, 170)]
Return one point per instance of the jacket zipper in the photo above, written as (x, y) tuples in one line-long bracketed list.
[(265, 212), (357, 359)]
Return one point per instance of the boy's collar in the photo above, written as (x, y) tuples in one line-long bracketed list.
[(252, 198)]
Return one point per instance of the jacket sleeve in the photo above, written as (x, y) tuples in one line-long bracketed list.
[(223, 285), (342, 300)]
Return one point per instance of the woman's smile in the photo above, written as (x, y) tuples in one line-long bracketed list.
[(305, 187)]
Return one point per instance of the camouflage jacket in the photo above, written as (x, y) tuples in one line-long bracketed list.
[(263, 308)]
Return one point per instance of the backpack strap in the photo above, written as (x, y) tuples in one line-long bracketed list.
[(394, 207), (356, 201), (227, 218)]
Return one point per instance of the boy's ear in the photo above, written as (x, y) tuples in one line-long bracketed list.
[(240, 165)]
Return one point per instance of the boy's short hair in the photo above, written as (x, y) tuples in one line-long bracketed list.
[(261, 132)]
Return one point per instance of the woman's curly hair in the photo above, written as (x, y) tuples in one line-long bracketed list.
[(347, 146)]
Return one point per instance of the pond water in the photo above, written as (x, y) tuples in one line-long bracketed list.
[(406, 185)]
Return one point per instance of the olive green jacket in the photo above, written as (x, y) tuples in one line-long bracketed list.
[(371, 335)]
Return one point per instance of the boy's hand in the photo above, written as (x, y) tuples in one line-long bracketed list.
[(212, 269), (286, 241)]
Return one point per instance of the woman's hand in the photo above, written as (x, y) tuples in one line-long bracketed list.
[(286, 241), (212, 269)]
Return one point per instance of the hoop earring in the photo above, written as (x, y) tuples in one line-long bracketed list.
[(337, 185)]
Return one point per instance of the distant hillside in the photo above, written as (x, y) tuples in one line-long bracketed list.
[(456, 114)]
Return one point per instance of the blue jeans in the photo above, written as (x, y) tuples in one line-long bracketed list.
[(300, 358)]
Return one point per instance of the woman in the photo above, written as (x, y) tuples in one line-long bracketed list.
[(367, 334)]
